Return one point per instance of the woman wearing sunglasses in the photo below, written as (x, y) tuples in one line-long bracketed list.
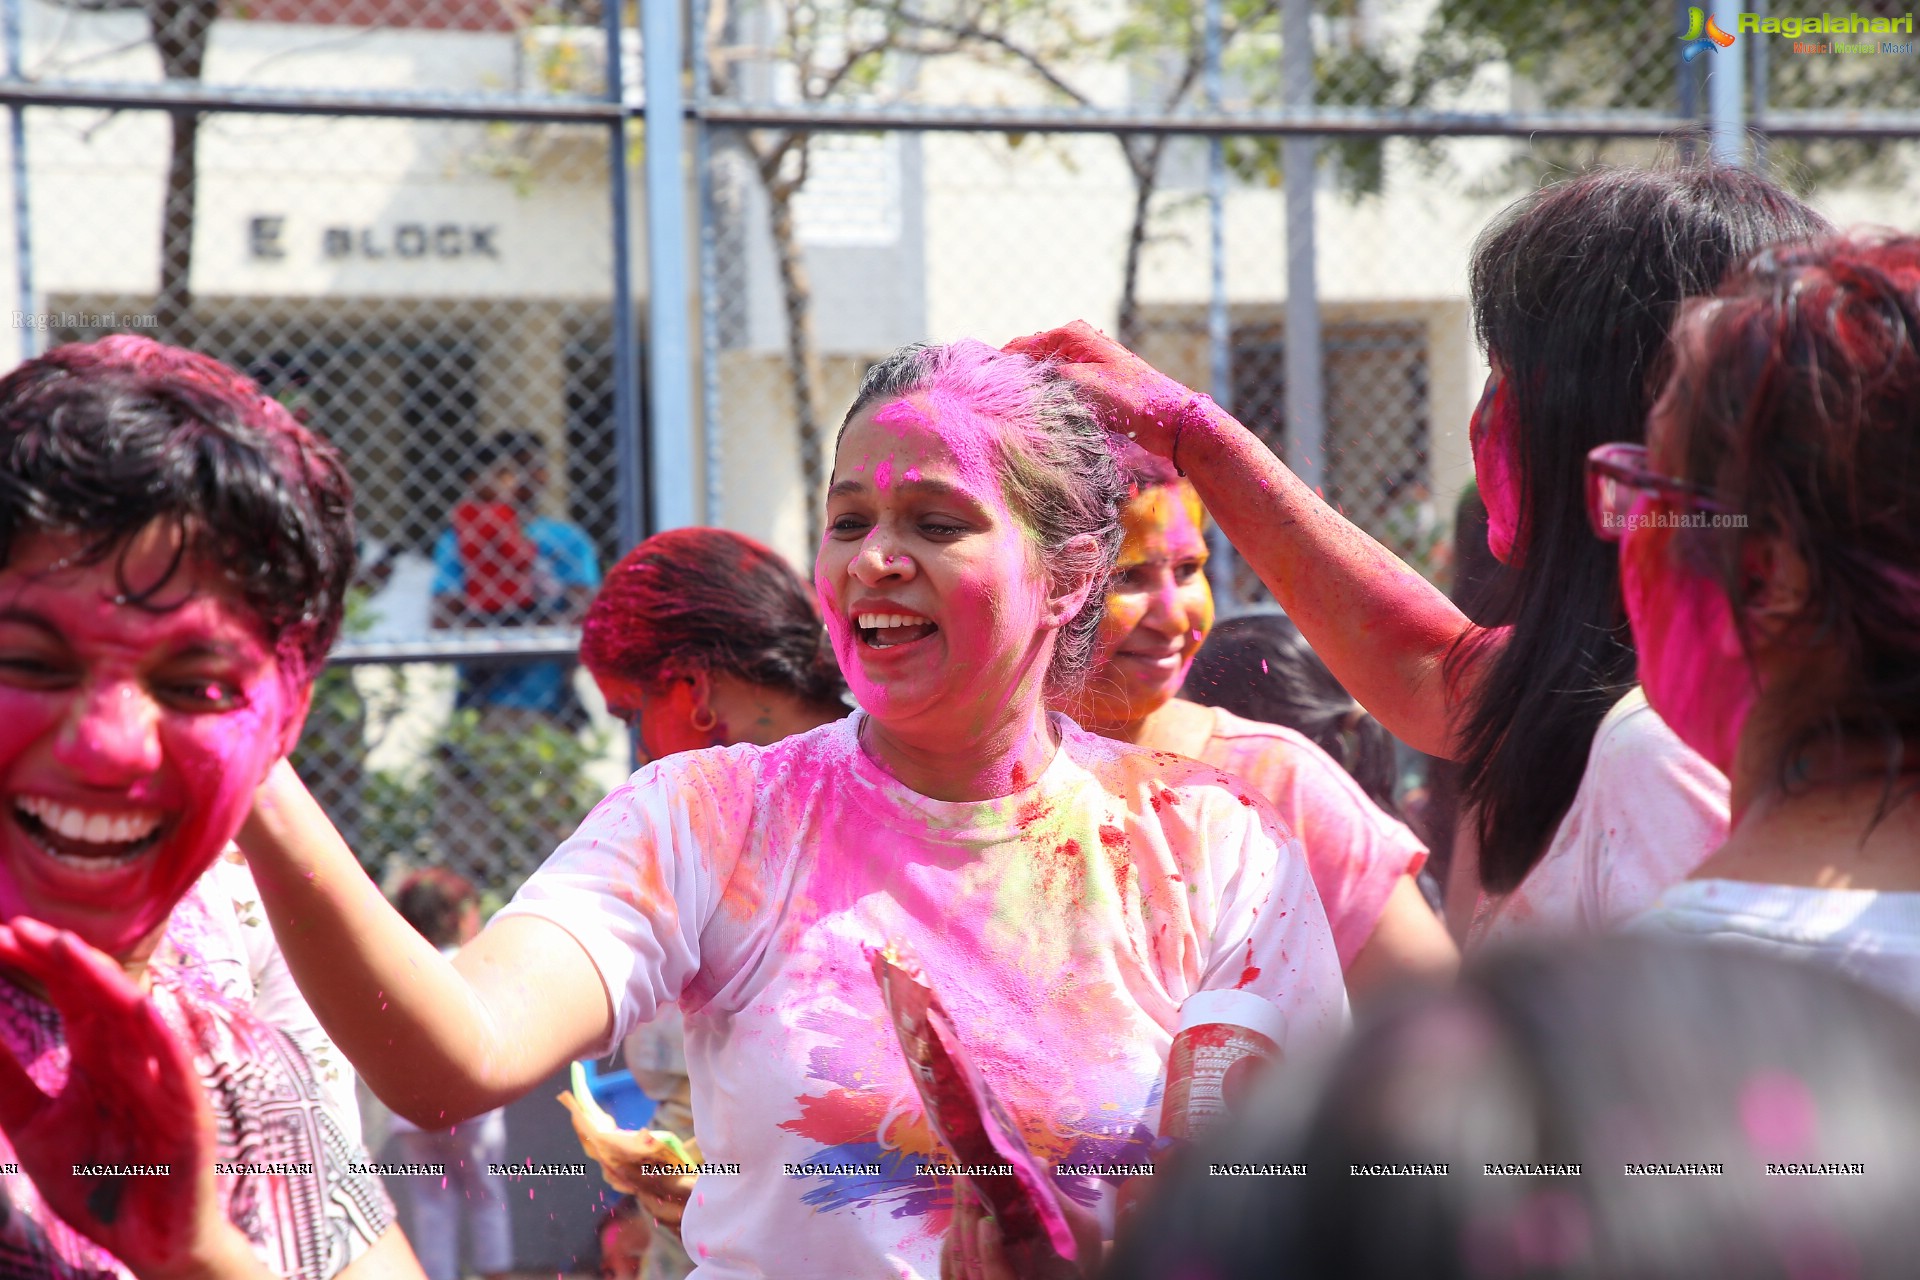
[(1583, 805), (1769, 544)]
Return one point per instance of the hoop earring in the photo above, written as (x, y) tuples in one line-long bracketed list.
[(712, 719)]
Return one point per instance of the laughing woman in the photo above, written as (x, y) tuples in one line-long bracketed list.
[(1065, 893)]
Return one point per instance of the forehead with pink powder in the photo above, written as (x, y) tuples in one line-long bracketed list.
[(974, 398)]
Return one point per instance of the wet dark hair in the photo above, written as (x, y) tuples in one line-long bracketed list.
[(1574, 288), (1618, 1051), (432, 900), (1258, 666), (1795, 397), (1056, 468), (99, 440), (710, 600)]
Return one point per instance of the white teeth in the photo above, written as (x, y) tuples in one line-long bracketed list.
[(873, 620), (91, 827)]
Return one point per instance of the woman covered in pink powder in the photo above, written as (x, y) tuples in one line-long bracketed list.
[(1065, 894), (1769, 544), (1159, 612), (1583, 805)]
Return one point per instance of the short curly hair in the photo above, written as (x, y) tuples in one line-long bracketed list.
[(99, 440)]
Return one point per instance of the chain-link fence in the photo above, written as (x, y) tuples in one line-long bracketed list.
[(400, 217), (431, 289)]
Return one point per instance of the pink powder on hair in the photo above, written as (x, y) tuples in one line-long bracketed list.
[(1779, 1116)]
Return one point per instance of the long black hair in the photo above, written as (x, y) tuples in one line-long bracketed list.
[(1574, 288)]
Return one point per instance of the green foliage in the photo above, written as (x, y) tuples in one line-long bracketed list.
[(534, 782)]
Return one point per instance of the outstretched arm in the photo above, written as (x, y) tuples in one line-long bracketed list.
[(438, 1041), (1383, 630)]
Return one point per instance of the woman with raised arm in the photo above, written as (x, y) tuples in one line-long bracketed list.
[(1065, 894), (1159, 614), (1585, 805), (1769, 544)]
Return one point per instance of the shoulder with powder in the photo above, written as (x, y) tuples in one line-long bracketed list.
[(1160, 780)]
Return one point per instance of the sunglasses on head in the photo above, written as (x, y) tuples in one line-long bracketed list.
[(1617, 474)]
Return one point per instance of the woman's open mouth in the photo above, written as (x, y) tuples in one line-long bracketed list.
[(890, 630), (87, 840)]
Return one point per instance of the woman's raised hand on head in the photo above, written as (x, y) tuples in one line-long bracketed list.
[(131, 1098), (1131, 395)]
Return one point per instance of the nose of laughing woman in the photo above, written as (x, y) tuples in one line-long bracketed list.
[(110, 736), (880, 561)]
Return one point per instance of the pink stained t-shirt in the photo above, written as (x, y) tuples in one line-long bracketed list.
[(1356, 852), (1063, 926), (1649, 810)]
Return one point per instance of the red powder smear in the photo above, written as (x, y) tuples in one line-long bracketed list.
[(1113, 838), (1032, 811), (841, 1113), (1252, 970), (1247, 801), (1069, 849), (1019, 778)]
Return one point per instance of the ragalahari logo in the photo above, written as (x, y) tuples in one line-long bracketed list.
[(1702, 33)]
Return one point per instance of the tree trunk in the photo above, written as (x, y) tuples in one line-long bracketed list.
[(181, 29), (1145, 167), (797, 295)]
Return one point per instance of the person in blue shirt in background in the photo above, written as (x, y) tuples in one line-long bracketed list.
[(502, 563)]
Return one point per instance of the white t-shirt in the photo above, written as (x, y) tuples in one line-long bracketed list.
[(1868, 935), (220, 931), (1648, 811), (1062, 926), (1355, 852)]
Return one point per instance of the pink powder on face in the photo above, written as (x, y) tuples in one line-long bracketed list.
[(986, 599), (1495, 438), (193, 756), (1691, 664)]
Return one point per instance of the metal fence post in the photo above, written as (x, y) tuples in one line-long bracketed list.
[(629, 488), (1727, 95), (22, 220), (1306, 397), (715, 459), (669, 359)]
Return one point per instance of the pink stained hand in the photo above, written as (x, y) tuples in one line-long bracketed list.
[(973, 1248), (1132, 397), (131, 1098)]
